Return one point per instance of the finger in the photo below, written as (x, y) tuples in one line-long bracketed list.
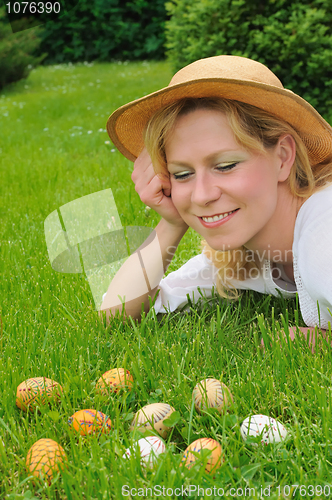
[(143, 176), (153, 193), (154, 182), (144, 180), (156, 186), (143, 161)]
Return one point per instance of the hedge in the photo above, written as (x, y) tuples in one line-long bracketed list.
[(292, 38), (106, 30)]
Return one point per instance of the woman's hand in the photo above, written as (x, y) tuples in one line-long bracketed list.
[(155, 190), (307, 331)]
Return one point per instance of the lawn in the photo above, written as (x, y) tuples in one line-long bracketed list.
[(55, 149)]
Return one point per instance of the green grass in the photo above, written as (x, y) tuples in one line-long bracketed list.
[(51, 327)]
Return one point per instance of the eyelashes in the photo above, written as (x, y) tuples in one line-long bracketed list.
[(227, 167), (180, 176), (221, 168)]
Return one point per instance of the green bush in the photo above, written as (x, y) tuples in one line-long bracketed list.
[(293, 38), (106, 30), (16, 51)]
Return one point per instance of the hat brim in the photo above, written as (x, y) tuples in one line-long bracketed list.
[(126, 125)]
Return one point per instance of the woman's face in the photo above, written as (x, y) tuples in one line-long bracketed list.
[(211, 175)]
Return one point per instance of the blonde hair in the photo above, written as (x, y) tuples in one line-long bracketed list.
[(257, 131)]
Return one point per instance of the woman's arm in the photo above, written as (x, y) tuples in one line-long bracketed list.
[(308, 331), (138, 278)]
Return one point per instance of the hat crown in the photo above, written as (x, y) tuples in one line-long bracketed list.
[(227, 77), (226, 67)]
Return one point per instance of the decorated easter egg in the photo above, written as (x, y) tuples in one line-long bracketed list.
[(211, 393), (152, 417), (89, 422), (149, 447), (36, 392), (268, 429), (45, 458), (114, 380), (215, 459)]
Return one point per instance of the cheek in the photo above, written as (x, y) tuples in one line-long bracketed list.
[(258, 185), (253, 187), (179, 194)]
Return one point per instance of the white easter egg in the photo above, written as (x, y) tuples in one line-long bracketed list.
[(269, 429), (150, 448)]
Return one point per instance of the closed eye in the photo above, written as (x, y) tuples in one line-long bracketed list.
[(221, 167), (183, 175), (224, 167)]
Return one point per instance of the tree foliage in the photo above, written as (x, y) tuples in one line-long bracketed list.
[(17, 51)]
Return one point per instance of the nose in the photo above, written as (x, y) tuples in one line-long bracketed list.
[(205, 190)]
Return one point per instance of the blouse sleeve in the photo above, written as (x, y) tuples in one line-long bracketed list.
[(196, 277), (314, 256)]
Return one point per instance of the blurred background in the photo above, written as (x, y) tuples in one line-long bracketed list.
[(292, 37), (61, 76)]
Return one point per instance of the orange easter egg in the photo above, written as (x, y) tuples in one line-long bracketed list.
[(36, 392), (197, 446), (211, 393), (114, 380), (45, 458), (152, 417), (89, 422)]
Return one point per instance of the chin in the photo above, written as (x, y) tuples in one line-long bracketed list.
[(224, 247), (219, 248)]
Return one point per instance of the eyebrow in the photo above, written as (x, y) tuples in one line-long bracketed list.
[(208, 158)]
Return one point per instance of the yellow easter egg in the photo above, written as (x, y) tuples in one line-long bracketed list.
[(45, 458), (90, 422), (211, 393), (215, 459), (36, 392), (152, 417), (114, 380)]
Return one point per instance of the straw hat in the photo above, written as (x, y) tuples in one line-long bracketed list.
[(230, 77)]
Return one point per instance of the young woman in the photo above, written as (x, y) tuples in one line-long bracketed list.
[(227, 151)]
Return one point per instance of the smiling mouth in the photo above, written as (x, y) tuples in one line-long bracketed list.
[(214, 218)]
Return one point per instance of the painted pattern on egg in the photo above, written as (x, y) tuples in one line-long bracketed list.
[(152, 417), (150, 448), (44, 458), (37, 391), (211, 393), (216, 457), (90, 421), (269, 429), (115, 380)]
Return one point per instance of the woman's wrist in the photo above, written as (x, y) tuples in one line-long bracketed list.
[(169, 236), (179, 228)]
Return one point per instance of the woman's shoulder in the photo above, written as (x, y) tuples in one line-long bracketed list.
[(312, 255), (321, 197), (312, 245), (315, 213)]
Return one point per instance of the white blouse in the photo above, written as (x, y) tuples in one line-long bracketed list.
[(312, 263)]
